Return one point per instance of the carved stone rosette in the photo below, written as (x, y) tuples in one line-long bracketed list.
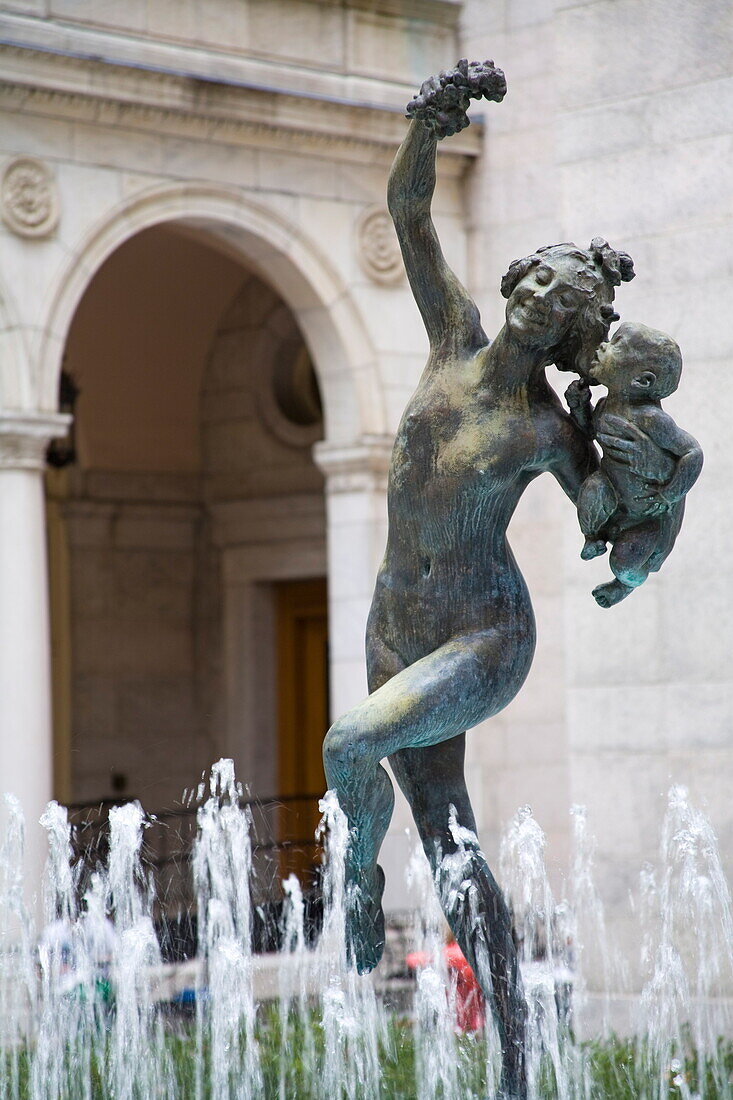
[(29, 197), (378, 250)]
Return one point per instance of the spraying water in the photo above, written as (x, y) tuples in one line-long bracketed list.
[(350, 1014), (18, 987), (135, 1029), (81, 1013), (437, 1057), (222, 871), (296, 1021), (524, 874), (688, 949)]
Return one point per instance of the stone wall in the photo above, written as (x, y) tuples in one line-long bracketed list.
[(645, 144), (134, 706), (251, 446), (618, 123)]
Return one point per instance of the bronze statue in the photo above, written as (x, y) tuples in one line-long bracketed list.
[(639, 366), (451, 632)]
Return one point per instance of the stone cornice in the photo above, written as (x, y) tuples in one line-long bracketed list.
[(222, 108), (443, 12), (25, 436)]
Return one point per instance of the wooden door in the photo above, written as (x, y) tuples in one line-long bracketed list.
[(302, 665)]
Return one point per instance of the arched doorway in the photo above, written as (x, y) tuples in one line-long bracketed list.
[(275, 247), (193, 526)]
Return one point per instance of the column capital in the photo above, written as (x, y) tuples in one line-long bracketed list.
[(24, 437), (353, 466)]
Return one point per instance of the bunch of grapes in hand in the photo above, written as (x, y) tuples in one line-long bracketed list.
[(442, 101)]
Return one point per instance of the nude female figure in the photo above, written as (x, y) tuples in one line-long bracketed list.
[(451, 632)]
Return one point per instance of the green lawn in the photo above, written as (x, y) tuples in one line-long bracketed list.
[(608, 1070)]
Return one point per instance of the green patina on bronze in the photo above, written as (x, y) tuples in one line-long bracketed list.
[(451, 632)]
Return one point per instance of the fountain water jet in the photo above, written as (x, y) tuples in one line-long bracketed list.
[(688, 946), (332, 1034)]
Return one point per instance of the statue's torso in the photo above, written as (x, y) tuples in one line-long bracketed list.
[(462, 457)]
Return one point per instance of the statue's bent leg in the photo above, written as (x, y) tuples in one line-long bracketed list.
[(433, 782), (430, 701)]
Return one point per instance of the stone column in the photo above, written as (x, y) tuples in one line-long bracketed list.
[(356, 513), (26, 743)]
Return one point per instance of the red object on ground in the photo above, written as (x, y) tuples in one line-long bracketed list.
[(469, 998)]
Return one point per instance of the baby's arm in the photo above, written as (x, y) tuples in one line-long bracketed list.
[(662, 430), (578, 398)]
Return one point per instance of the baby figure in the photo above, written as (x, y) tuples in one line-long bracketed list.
[(639, 366)]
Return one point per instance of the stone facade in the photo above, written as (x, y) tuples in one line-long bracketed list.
[(264, 129), (264, 132), (618, 123)]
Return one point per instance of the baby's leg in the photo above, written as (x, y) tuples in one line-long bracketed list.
[(596, 504), (631, 558)]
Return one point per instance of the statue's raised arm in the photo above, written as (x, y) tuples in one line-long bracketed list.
[(439, 110)]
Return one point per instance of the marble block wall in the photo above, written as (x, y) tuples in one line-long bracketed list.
[(134, 712), (625, 133), (656, 176)]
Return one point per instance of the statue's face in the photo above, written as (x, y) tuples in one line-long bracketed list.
[(617, 362), (604, 363), (543, 304)]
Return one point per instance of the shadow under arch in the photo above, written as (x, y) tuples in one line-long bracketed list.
[(276, 250)]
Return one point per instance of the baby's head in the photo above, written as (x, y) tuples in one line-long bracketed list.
[(638, 362)]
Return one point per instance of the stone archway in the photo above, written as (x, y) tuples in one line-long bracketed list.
[(276, 249), (353, 455), (193, 500)]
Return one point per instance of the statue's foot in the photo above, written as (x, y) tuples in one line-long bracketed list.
[(606, 595), (593, 549), (365, 921)]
